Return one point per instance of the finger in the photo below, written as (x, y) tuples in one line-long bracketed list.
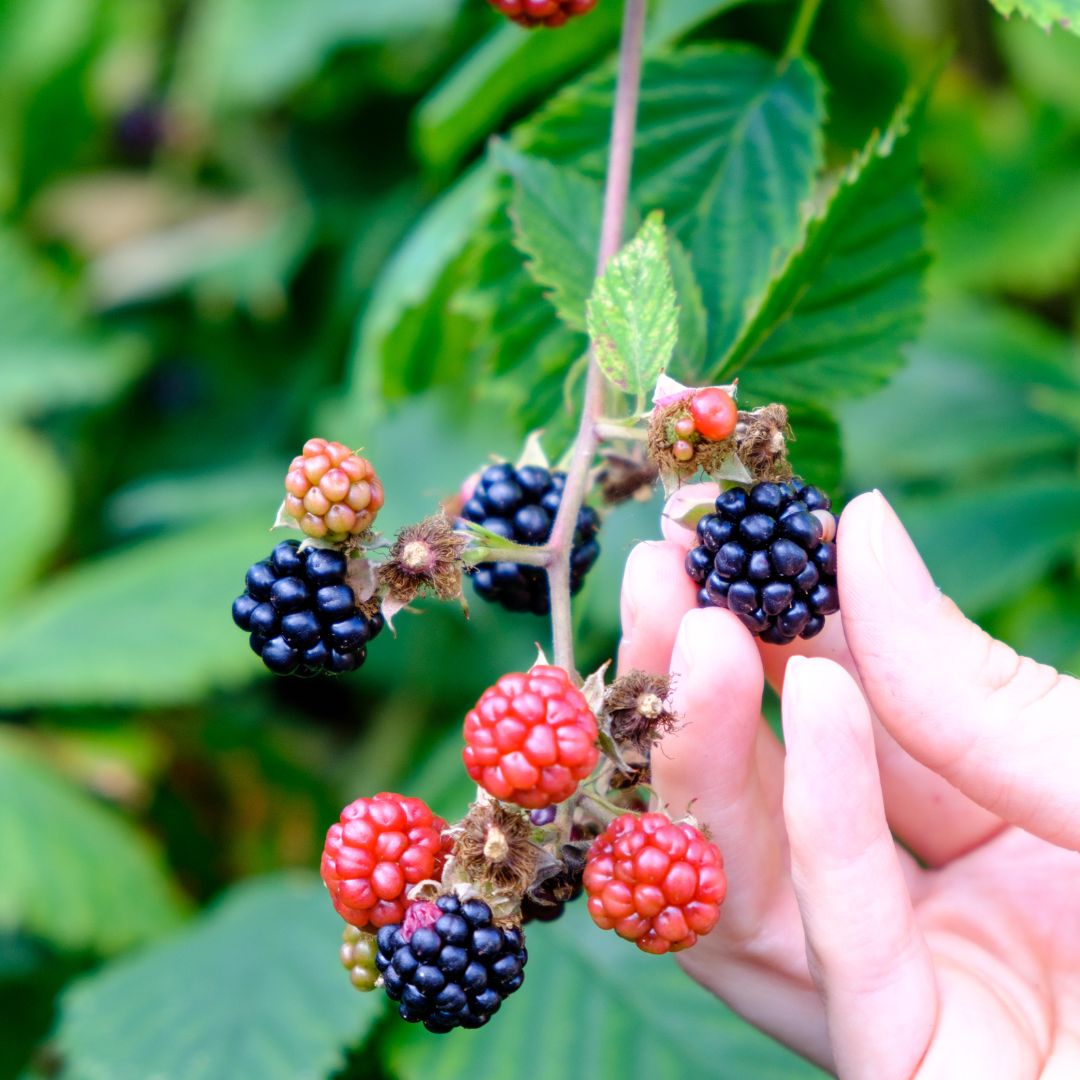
[(928, 813), (865, 950), (710, 765), (935, 820), (679, 503), (1000, 727), (656, 594)]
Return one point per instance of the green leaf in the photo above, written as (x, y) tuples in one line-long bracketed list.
[(1018, 530), (815, 447), (148, 624), (632, 316), (509, 67), (670, 19), (409, 288), (966, 407), (1045, 13), (693, 319), (556, 216), (75, 873), (29, 458), (613, 1014), (253, 989), (833, 321), (244, 53), (48, 360), (750, 213)]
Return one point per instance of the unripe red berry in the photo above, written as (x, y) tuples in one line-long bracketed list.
[(682, 450), (332, 492), (715, 413), (531, 739), (550, 13), (684, 427), (655, 882), (379, 848)]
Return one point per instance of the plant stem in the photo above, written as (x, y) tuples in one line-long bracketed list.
[(620, 160), (800, 32), (614, 431)]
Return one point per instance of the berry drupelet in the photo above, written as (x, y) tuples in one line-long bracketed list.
[(521, 505), (448, 965), (768, 555), (302, 614)]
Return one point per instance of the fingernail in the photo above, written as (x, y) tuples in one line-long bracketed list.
[(899, 559)]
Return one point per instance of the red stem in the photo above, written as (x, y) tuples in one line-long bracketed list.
[(616, 194)]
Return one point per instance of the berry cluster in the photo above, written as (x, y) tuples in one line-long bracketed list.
[(449, 965), (302, 614), (655, 883), (713, 416), (531, 738), (549, 13), (521, 505), (331, 492), (768, 555), (379, 848)]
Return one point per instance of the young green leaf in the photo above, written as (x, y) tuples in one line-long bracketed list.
[(75, 873), (556, 215), (253, 989), (1045, 13), (833, 320), (632, 315)]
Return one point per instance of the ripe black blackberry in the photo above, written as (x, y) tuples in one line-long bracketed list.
[(447, 964), (302, 614), (520, 505), (767, 555)]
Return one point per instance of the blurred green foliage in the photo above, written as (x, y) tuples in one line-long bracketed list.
[(229, 224)]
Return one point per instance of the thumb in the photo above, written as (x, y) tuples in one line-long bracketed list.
[(1000, 727)]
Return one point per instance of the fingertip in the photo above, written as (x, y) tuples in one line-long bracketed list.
[(656, 593), (831, 761), (677, 506), (718, 682)]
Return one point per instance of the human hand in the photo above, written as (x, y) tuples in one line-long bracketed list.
[(904, 719)]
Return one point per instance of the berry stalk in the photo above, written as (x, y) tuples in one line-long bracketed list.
[(620, 162)]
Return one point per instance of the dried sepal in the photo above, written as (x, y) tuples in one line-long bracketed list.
[(424, 560), (494, 849), (761, 439), (637, 710), (622, 477)]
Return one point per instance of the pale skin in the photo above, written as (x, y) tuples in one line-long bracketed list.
[(902, 721)]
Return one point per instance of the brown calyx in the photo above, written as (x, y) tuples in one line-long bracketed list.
[(637, 709), (425, 558), (622, 478), (761, 439), (708, 456), (494, 848)]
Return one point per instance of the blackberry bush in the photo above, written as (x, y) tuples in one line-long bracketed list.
[(302, 614), (768, 556), (448, 964), (521, 505)]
